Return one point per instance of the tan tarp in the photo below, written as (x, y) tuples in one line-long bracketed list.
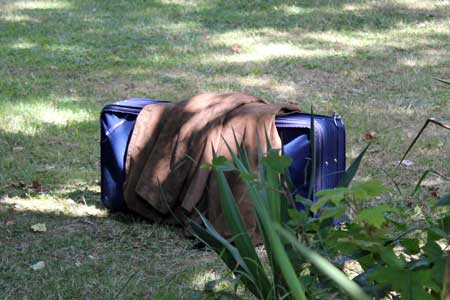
[(171, 141)]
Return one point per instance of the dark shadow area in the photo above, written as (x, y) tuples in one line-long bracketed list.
[(91, 257)]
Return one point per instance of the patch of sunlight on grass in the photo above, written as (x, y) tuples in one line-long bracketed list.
[(407, 37), (261, 52), (41, 4), (200, 279), (257, 81), (352, 268), (180, 2), (362, 40), (22, 44), (427, 58), (28, 117), (52, 205), (284, 90), (292, 9), (17, 18), (243, 37), (425, 5), (65, 48), (179, 27)]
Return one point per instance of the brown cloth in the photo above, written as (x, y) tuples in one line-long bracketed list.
[(171, 141)]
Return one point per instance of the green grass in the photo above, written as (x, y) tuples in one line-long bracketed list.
[(61, 61)]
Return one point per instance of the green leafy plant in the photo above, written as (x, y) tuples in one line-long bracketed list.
[(308, 250), (284, 250)]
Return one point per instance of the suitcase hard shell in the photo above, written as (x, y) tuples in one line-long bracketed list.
[(117, 123)]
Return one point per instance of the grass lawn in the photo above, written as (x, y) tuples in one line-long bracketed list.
[(61, 61)]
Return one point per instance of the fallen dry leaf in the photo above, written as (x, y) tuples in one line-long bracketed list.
[(36, 185), (10, 222), (17, 149), (371, 135), (407, 163), (38, 266), (236, 48), (39, 227), (45, 168)]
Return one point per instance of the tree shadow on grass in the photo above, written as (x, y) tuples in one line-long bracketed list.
[(81, 54), (88, 256), (84, 44)]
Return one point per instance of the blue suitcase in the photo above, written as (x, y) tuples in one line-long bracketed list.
[(117, 122)]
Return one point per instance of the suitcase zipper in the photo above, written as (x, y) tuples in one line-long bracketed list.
[(340, 124), (121, 109), (127, 109)]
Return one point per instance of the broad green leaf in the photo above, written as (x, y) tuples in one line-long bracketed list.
[(333, 195), (219, 163), (277, 162), (371, 188), (363, 244), (433, 251), (388, 256), (297, 217), (399, 225), (333, 212), (375, 216), (435, 234), (319, 204), (438, 271), (411, 285), (411, 245), (304, 201), (249, 176)]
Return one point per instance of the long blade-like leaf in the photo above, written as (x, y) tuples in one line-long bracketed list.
[(240, 234), (229, 254), (324, 266), (272, 184), (241, 151), (422, 178), (442, 80), (351, 171), (272, 239), (430, 120)]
